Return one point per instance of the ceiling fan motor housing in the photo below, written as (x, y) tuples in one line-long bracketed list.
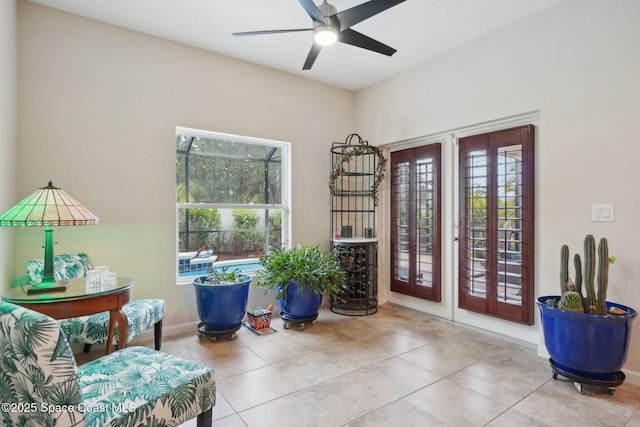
[(327, 9), (332, 22)]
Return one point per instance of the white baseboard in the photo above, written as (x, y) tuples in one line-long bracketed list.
[(168, 331), (147, 335), (542, 351)]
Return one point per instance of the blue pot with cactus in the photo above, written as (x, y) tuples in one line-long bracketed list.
[(592, 346), (586, 336)]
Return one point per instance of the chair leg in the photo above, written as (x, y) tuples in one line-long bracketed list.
[(87, 348), (157, 334), (205, 419)]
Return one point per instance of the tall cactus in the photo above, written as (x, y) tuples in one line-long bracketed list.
[(594, 303), (603, 276), (589, 273), (578, 266), (564, 268)]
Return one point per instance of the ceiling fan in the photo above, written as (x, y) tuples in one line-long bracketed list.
[(330, 26)]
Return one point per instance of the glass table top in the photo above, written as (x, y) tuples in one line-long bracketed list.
[(77, 289)]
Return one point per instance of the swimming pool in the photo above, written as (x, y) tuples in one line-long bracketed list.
[(244, 265)]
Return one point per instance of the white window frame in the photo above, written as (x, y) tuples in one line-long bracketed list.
[(285, 204)]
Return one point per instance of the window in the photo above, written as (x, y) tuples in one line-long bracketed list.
[(415, 219), (232, 198), (496, 224)]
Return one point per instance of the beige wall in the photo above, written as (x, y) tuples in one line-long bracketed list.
[(578, 64), (98, 107), (8, 131)]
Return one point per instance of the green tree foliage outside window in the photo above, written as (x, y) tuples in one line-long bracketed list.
[(245, 236), (203, 222), (275, 228), (223, 172)]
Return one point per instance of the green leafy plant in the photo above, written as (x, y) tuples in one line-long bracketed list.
[(314, 269), (222, 276)]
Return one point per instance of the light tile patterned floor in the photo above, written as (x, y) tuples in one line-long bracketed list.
[(394, 368)]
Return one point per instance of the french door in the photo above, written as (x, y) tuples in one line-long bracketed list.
[(496, 224), (415, 222)]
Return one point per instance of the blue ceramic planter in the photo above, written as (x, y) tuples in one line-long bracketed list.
[(299, 303), (221, 307), (586, 345)]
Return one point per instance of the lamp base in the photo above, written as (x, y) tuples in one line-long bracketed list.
[(48, 286)]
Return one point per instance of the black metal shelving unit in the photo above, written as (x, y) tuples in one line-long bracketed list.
[(356, 171), (359, 260)]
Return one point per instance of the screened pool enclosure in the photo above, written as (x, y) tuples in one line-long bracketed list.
[(231, 195)]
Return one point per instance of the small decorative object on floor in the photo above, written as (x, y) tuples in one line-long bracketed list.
[(260, 318), (265, 331)]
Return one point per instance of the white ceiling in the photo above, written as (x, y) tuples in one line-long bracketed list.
[(418, 29)]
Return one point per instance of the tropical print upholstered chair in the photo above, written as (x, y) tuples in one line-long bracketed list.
[(65, 266), (93, 329), (88, 330), (41, 384)]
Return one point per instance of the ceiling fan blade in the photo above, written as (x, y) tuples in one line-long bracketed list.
[(311, 57), (313, 11), (363, 11), (257, 33), (355, 38)]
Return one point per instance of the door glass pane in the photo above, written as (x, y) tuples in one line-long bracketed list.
[(509, 224), (476, 202), (401, 172), (424, 232), (495, 253)]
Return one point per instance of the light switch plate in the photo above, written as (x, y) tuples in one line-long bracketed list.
[(602, 212)]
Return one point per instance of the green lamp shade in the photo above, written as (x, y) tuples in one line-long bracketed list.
[(47, 207)]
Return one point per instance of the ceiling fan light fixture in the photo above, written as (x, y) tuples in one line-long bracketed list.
[(331, 26), (325, 35)]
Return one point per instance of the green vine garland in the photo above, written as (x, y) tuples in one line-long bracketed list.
[(351, 151)]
